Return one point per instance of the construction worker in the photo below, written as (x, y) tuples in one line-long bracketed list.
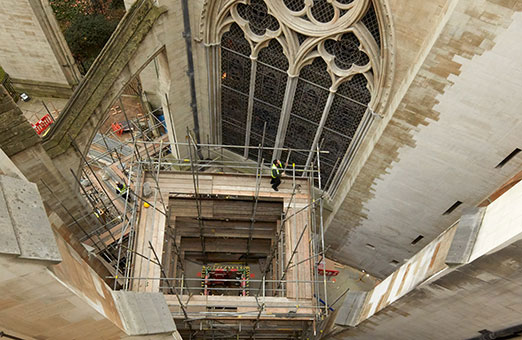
[(276, 172), (100, 214), (121, 189)]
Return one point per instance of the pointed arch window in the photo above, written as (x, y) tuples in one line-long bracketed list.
[(304, 71)]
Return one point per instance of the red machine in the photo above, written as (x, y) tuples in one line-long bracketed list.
[(225, 280)]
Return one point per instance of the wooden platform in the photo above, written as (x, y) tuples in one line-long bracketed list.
[(182, 214), (246, 305)]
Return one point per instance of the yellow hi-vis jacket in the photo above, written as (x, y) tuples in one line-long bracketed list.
[(276, 170), (123, 189)]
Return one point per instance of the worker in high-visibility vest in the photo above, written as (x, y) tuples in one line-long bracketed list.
[(121, 188), (100, 214), (276, 172)]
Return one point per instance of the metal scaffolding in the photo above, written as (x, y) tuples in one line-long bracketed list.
[(113, 236)]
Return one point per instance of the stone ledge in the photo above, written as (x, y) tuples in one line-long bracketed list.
[(8, 241), (16, 133), (26, 227), (349, 312), (42, 89), (144, 313), (465, 236)]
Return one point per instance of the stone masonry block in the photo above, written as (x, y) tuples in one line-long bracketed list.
[(8, 241), (16, 133), (144, 313), (465, 236), (350, 310), (29, 220)]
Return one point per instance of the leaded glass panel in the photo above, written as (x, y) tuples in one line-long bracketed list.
[(274, 56), (317, 73), (356, 89), (371, 23), (345, 116), (255, 140), (309, 101), (294, 5), (322, 11), (234, 112), (235, 80), (335, 143), (346, 51), (264, 113), (297, 157), (270, 85), (300, 134), (235, 106), (235, 71), (234, 39), (326, 173), (233, 135)]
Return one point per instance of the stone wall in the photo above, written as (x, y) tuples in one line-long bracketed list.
[(179, 92), (16, 133), (48, 291), (20, 142), (450, 129), (428, 298), (105, 72), (34, 52), (27, 285)]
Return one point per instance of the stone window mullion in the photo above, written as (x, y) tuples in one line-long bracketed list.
[(291, 86), (346, 160), (319, 132), (250, 109), (214, 91)]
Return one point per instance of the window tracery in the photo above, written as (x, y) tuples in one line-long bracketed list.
[(322, 11), (346, 51), (256, 14), (319, 11)]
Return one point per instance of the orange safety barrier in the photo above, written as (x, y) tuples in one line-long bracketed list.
[(327, 272), (117, 128), (42, 124)]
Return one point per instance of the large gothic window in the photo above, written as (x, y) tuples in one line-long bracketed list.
[(302, 72)]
